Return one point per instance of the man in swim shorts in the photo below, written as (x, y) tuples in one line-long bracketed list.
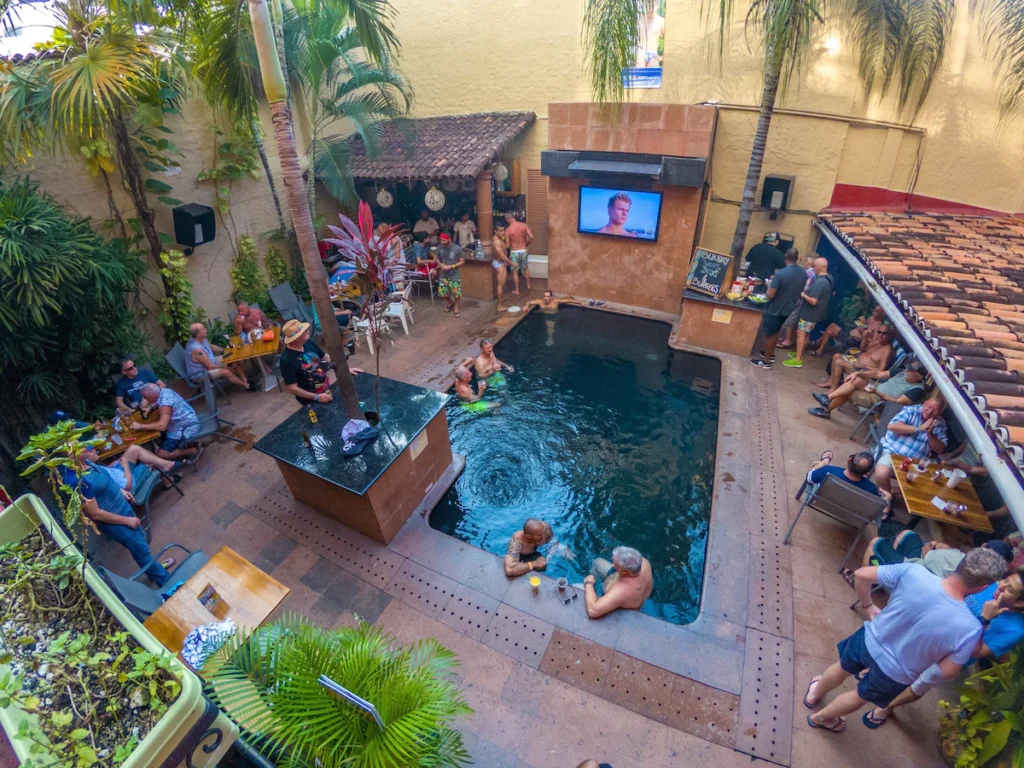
[(549, 304), (501, 261), (518, 236), (487, 365), (449, 280), (628, 582), (522, 556), (463, 388)]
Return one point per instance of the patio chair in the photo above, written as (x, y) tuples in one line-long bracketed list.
[(288, 304), (867, 413), (143, 493), (176, 359), (400, 307), (141, 600), (416, 278), (843, 502), (877, 431), (209, 423)]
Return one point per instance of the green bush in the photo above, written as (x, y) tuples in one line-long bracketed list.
[(176, 307), (249, 284), (277, 266)]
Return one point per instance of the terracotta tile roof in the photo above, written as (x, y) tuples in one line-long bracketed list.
[(453, 146), (960, 280), (28, 58)]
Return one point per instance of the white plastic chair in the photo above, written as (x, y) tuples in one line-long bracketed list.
[(401, 306)]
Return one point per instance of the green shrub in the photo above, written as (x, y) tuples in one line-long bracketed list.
[(246, 277), (176, 307)]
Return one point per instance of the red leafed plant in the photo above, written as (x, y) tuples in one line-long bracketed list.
[(377, 259)]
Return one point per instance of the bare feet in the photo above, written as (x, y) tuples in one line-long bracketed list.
[(515, 291)]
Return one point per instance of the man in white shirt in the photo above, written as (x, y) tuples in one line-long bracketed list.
[(465, 231), (427, 224)]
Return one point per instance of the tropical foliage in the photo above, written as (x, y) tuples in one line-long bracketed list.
[(269, 682), (249, 284), (63, 297), (900, 45), (177, 309), (989, 720), (104, 97)]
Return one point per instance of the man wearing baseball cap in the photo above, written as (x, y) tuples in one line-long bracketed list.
[(449, 281), (867, 387), (304, 365)]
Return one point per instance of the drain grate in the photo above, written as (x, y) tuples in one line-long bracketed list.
[(769, 505), (356, 554), (706, 712), (469, 611), (771, 587), (767, 446), (422, 588), (518, 635), (640, 686), (577, 661), (765, 726)]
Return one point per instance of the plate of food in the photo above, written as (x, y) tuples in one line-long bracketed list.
[(757, 298)]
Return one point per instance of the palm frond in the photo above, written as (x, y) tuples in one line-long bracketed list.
[(25, 94), (1001, 27), (331, 168), (611, 33), (226, 64)]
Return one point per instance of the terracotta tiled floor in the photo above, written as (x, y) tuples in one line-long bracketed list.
[(552, 709)]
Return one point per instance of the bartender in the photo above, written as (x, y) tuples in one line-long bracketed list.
[(765, 257), (428, 225), (465, 231)]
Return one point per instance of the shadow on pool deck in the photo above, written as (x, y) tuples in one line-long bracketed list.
[(547, 703)]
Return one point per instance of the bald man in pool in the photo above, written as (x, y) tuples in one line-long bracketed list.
[(522, 556)]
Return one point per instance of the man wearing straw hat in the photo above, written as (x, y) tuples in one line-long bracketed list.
[(304, 365)]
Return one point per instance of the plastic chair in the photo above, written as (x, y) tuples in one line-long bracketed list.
[(874, 410), (842, 502), (141, 600), (400, 307), (288, 304)]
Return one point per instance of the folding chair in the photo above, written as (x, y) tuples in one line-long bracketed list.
[(176, 359), (874, 410), (877, 431), (142, 492), (141, 600), (288, 304), (842, 502)]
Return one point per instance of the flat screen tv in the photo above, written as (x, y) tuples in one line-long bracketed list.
[(619, 213)]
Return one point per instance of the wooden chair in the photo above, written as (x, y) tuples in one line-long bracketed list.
[(843, 502)]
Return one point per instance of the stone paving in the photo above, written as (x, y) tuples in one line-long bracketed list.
[(549, 691)]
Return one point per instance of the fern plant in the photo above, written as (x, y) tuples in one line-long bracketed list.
[(268, 683), (249, 284)]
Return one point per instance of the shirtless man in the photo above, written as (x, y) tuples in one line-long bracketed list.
[(518, 236), (501, 262), (463, 388), (522, 556), (628, 582), (877, 357), (549, 304), (618, 213), (486, 363)]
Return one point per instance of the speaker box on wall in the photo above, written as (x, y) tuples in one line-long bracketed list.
[(194, 224)]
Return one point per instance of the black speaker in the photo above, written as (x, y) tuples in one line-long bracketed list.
[(194, 224)]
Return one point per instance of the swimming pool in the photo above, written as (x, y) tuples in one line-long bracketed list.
[(605, 433)]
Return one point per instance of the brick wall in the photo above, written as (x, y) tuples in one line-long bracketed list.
[(679, 130)]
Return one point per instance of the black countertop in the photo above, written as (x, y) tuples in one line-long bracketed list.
[(690, 294), (406, 411)]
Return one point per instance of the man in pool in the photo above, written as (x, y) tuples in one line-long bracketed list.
[(618, 213), (549, 304), (522, 555), (628, 582), (463, 388), (488, 366)]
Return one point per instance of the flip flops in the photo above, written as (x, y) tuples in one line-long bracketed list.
[(872, 722), (815, 679), (826, 456), (837, 728)]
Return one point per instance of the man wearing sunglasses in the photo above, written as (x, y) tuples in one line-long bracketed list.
[(129, 387)]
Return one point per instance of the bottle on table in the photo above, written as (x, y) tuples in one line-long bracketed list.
[(312, 415)]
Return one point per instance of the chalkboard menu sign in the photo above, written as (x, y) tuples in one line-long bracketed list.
[(709, 271)]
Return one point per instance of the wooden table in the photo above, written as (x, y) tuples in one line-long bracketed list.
[(918, 497), (249, 593), (134, 437), (261, 348)]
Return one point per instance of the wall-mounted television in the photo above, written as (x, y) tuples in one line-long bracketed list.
[(613, 212)]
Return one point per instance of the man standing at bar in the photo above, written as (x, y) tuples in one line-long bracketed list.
[(783, 295), (814, 309), (518, 236), (465, 231), (449, 279), (500, 260)]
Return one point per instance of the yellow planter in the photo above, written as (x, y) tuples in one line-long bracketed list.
[(192, 732)]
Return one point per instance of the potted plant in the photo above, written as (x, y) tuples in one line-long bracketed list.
[(377, 259), (276, 683), (82, 682), (986, 727)]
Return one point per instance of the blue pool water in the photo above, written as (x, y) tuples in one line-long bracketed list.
[(605, 433)]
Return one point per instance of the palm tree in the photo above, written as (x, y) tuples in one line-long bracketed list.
[(270, 683), (900, 45), (106, 83)]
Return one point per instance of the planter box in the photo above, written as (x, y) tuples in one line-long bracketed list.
[(192, 732)]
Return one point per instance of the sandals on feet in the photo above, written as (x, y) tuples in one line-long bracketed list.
[(815, 679), (826, 456), (839, 727), (847, 575), (457, 315), (872, 722)]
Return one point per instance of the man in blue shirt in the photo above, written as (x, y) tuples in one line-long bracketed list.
[(926, 622), (858, 468), (109, 508), (1000, 609), (129, 387), (915, 433)]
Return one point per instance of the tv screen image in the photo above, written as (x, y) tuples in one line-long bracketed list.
[(620, 213)]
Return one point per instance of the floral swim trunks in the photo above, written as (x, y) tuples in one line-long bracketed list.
[(449, 287), (806, 325), (519, 260)]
